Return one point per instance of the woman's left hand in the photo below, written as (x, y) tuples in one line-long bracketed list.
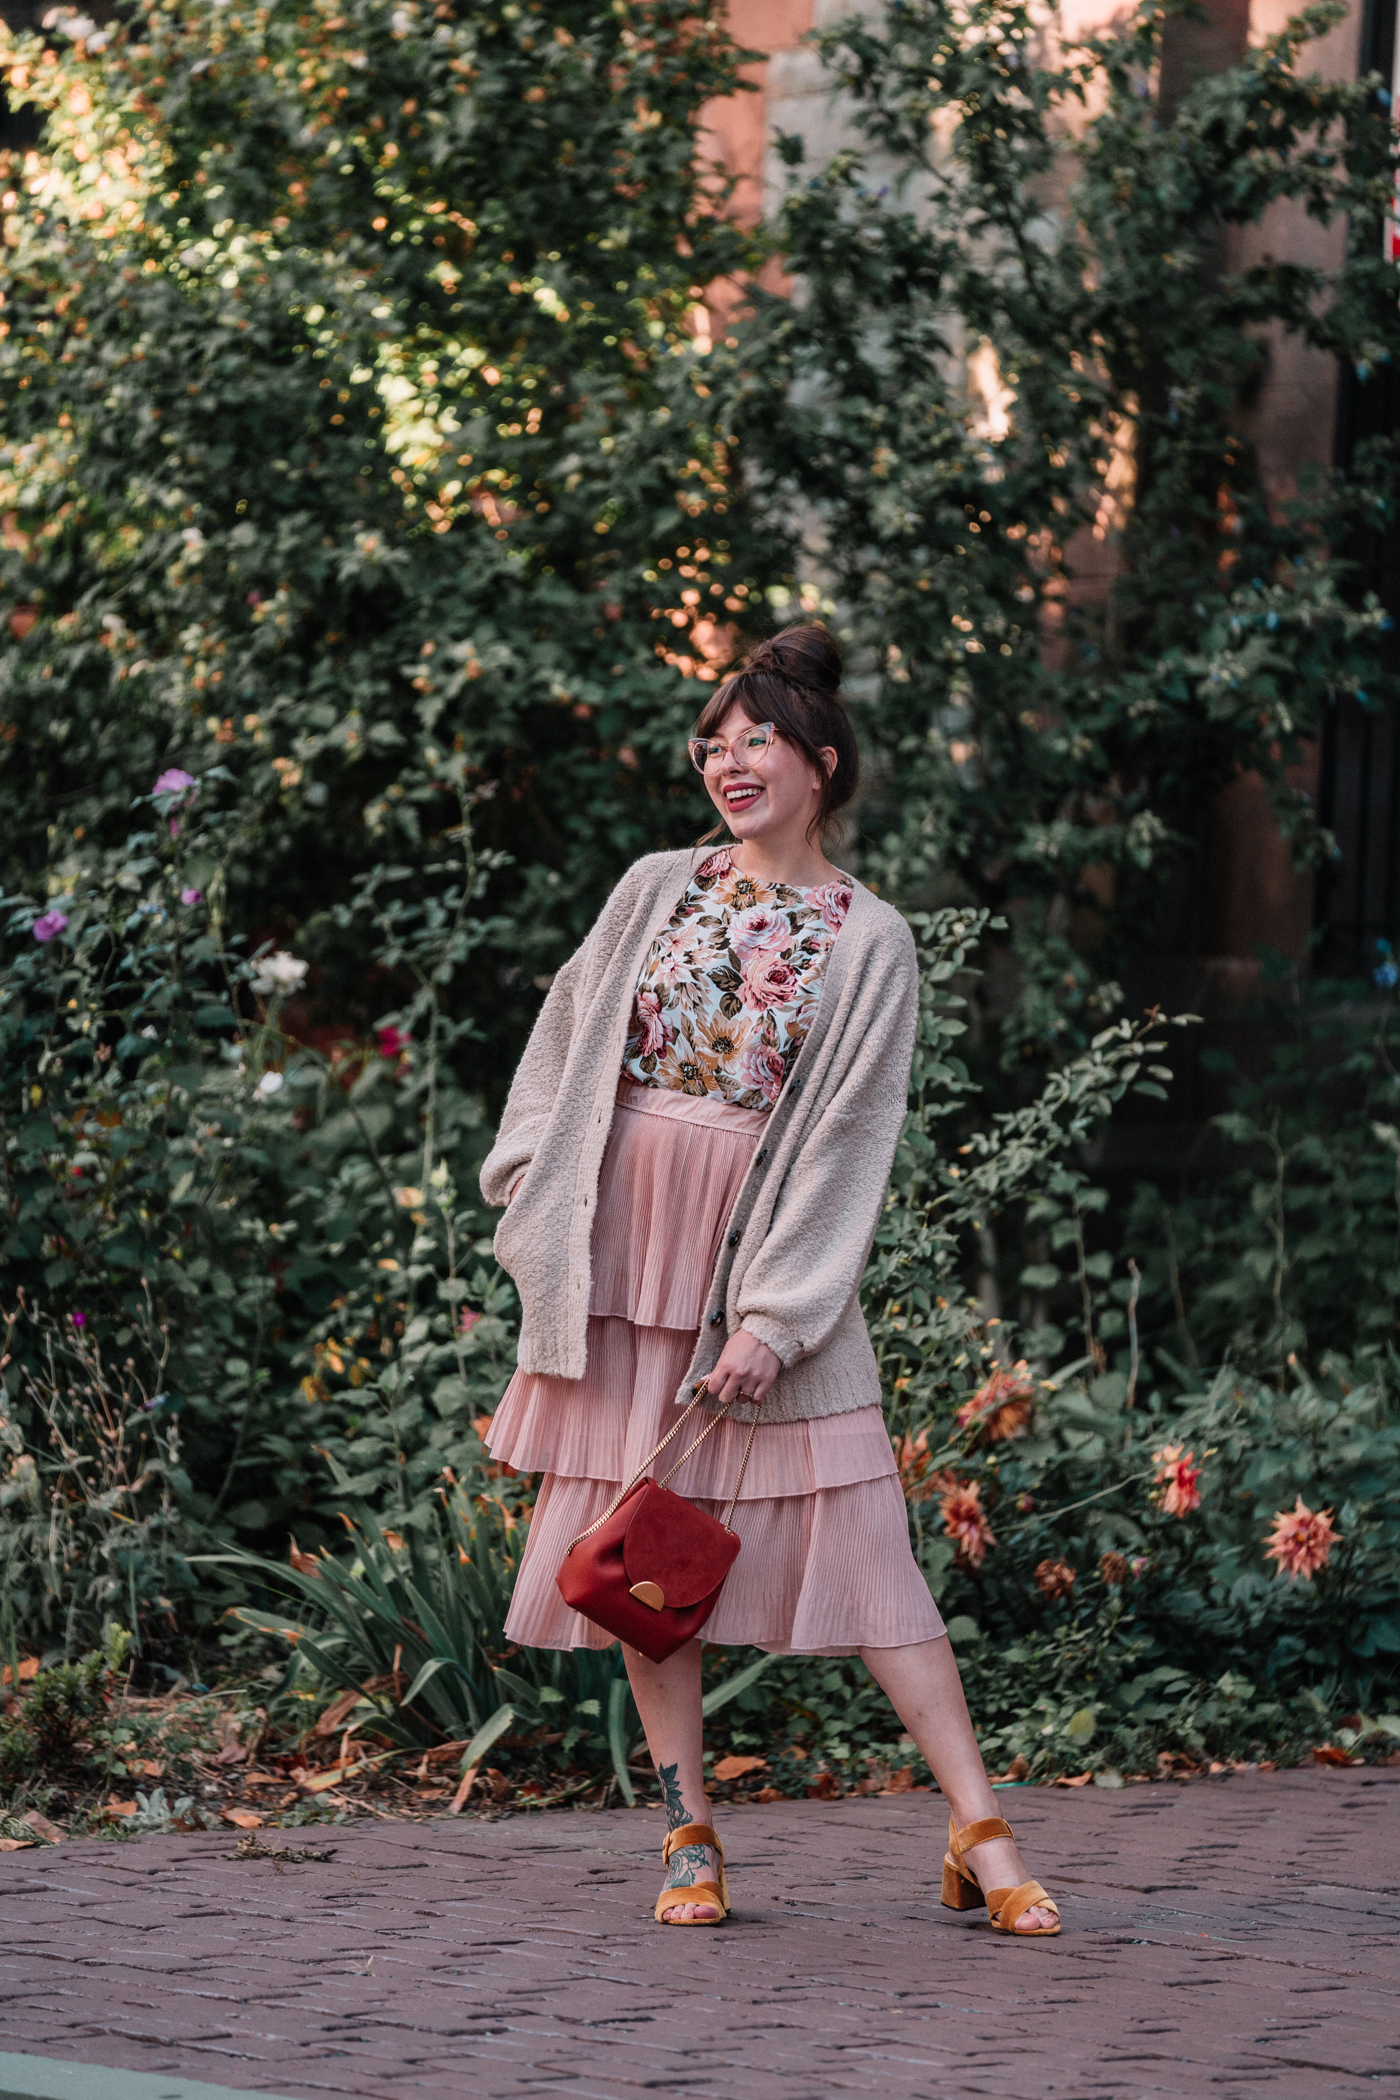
[(746, 1369)]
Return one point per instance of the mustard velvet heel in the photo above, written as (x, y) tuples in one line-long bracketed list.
[(702, 1891), (962, 1891)]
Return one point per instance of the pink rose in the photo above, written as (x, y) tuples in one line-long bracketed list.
[(833, 901), (762, 1070), (767, 980), (654, 1036), (758, 927)]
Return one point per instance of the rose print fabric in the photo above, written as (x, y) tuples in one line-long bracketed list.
[(728, 992)]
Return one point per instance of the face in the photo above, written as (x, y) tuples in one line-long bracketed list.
[(773, 795)]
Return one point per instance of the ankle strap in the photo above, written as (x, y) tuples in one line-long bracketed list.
[(977, 1833), (690, 1834)]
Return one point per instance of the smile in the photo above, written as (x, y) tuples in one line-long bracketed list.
[(743, 796)]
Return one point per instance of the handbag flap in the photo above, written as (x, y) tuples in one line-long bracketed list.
[(677, 1546)]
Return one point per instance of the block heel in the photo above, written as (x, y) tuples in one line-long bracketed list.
[(963, 1891)]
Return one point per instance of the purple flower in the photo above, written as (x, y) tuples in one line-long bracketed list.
[(52, 922), (191, 896), (78, 1319)]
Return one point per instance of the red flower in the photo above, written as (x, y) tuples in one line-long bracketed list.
[(1177, 1474), (1301, 1541), (965, 1520), (393, 1042), (1002, 1407)]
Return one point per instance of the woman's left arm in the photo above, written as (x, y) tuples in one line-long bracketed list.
[(801, 1280)]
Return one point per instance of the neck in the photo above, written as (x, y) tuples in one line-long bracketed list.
[(797, 862)]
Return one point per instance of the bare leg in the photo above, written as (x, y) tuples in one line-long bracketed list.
[(925, 1690), (668, 1700)]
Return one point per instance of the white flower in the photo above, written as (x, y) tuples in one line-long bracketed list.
[(278, 975), (270, 1084)]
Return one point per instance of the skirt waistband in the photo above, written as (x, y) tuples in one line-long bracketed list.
[(703, 1109)]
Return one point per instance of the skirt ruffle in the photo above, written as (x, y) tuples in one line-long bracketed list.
[(825, 1565)]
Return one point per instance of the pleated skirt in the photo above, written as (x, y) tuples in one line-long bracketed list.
[(825, 1565)]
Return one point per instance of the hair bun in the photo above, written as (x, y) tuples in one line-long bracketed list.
[(805, 655)]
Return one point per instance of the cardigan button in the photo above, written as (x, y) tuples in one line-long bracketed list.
[(734, 1238), (761, 1154), (715, 1318)]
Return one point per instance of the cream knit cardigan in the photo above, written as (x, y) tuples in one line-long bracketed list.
[(805, 1215)]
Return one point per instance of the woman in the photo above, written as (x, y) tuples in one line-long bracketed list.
[(694, 1154)]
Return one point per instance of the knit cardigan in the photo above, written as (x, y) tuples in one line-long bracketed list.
[(802, 1223)]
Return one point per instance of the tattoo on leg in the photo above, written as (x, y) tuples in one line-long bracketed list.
[(687, 1865), (671, 1795)]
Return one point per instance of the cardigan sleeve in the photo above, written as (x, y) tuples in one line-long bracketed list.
[(801, 1280), (535, 1087), (539, 1077)]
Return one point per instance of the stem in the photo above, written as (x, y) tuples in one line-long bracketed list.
[(1134, 1357)]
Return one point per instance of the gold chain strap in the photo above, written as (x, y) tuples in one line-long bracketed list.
[(623, 1492)]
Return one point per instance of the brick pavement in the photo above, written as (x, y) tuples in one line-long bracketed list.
[(1228, 1938)]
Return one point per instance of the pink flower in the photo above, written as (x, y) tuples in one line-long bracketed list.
[(52, 922), (758, 927), (965, 1520), (1177, 1475), (79, 1319), (833, 901), (762, 1071), (1301, 1541), (181, 786), (468, 1320), (191, 896), (654, 1037), (393, 1042), (767, 980)]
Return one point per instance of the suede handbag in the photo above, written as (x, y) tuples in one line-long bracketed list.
[(651, 1568)]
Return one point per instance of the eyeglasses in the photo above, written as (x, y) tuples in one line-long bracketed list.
[(708, 753)]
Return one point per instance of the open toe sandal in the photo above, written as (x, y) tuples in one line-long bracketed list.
[(702, 1891), (962, 1891)]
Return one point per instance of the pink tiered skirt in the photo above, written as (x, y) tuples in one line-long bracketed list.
[(825, 1566)]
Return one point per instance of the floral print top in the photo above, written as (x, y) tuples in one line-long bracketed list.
[(728, 992)]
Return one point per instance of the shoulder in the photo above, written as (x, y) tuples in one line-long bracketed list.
[(655, 872), (881, 931)]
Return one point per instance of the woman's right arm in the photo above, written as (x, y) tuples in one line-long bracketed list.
[(535, 1086)]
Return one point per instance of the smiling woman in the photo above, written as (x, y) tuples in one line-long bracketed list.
[(695, 1153)]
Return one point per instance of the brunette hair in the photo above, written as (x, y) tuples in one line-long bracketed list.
[(794, 682)]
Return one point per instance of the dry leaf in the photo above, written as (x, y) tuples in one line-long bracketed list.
[(119, 1808), (735, 1767), (431, 1793), (901, 1782), (241, 1818), (1329, 1754), (231, 1754), (768, 1793), (459, 1799), (336, 1712), (1082, 1780), (826, 1787), (151, 1768), (42, 1827), (304, 1563), (28, 1671), (18, 1844), (227, 1730), (264, 1779)]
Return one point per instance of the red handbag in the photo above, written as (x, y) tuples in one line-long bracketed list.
[(651, 1568)]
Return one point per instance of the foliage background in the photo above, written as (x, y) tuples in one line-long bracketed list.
[(363, 465)]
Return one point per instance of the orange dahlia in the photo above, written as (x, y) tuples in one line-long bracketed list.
[(1002, 1407), (965, 1520), (1301, 1541)]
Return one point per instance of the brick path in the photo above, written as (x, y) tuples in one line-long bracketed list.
[(1230, 1938)]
